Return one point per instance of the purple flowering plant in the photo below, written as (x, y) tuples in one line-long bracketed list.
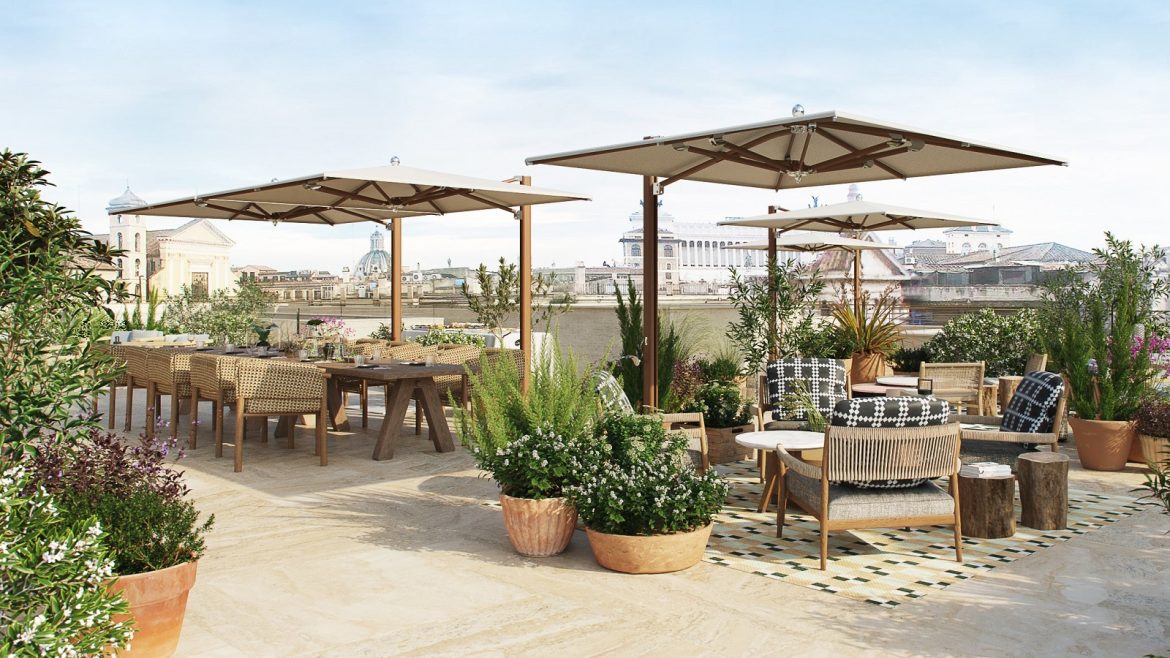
[(1153, 416)]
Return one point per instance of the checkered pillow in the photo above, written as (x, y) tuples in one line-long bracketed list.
[(613, 397), (825, 379), (889, 412), (1033, 405)]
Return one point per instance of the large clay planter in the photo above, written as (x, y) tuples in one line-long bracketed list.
[(721, 445), (867, 367), (539, 528), (649, 554), (1102, 445), (1137, 454), (158, 602), (1155, 449)]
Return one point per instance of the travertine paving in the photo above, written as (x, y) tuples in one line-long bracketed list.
[(405, 557)]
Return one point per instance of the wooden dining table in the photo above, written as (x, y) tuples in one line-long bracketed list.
[(406, 382)]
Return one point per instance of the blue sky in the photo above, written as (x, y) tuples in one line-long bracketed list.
[(184, 97)]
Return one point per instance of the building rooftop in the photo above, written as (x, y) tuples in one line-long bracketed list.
[(980, 228)]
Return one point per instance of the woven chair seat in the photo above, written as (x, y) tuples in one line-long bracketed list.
[(848, 503), (282, 407)]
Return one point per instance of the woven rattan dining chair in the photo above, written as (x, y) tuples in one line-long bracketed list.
[(118, 354), (213, 379), (170, 374), (956, 382), (451, 384), (877, 470), (137, 377), (266, 387)]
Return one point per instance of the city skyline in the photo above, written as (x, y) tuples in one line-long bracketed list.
[(237, 95)]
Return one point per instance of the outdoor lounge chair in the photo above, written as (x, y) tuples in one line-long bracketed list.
[(273, 388), (1033, 415), (880, 458), (825, 380), (958, 383)]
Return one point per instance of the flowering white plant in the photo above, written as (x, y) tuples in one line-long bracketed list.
[(540, 464), (53, 579)]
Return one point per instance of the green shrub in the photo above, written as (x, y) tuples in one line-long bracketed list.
[(721, 405), (648, 487), (222, 315), (768, 329), (1002, 342), (541, 464), (909, 359), (440, 337), (823, 341), (723, 368), (675, 345), (49, 287), (53, 575)]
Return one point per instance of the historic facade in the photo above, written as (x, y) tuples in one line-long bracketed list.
[(969, 239), (195, 254)]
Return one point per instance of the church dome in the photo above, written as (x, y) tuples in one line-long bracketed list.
[(376, 262), (127, 199)]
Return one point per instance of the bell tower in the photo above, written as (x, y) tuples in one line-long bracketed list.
[(128, 233)]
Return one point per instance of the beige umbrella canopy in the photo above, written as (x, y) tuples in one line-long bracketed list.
[(377, 194), (855, 216), (826, 148), (374, 194)]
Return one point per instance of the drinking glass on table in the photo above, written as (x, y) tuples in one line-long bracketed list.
[(359, 360), (430, 360), (303, 355)]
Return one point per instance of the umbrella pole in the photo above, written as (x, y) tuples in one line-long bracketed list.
[(773, 293), (525, 288), (857, 283), (649, 292), (396, 278)]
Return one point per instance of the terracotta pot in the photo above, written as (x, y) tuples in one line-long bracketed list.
[(539, 528), (867, 367), (1102, 445), (1137, 454), (649, 554), (158, 602), (1155, 449)]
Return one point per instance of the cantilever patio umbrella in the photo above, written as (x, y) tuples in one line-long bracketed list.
[(377, 194), (827, 148), (821, 242)]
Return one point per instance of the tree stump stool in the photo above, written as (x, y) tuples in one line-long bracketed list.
[(1007, 388), (1043, 490), (987, 507)]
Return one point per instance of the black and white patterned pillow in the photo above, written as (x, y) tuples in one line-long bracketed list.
[(824, 379), (892, 413), (613, 398), (1033, 406)]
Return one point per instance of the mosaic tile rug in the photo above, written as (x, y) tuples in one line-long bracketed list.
[(884, 567)]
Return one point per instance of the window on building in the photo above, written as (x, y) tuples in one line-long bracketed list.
[(635, 249), (668, 276), (137, 242), (120, 240), (668, 266), (966, 248), (137, 267), (121, 272), (668, 251), (199, 285), (982, 246)]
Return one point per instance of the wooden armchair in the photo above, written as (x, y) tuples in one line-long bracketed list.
[(1033, 416), (121, 378), (213, 379), (274, 388), (960, 383), (878, 477), (692, 425), (137, 376), (169, 370)]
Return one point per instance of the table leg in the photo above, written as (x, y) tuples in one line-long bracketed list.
[(396, 404), (336, 406), (771, 473), (436, 420)]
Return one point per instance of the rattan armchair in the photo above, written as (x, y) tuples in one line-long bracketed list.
[(169, 370), (1033, 416), (137, 377), (877, 477), (692, 425), (960, 383), (118, 354), (452, 385), (213, 379), (274, 388)]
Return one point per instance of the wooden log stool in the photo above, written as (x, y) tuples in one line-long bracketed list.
[(987, 507), (1043, 490), (1007, 388)]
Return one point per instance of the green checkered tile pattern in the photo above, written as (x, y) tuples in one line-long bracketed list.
[(882, 566)]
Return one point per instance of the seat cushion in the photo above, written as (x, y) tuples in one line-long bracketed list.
[(904, 411), (847, 503), (824, 378), (1033, 406)]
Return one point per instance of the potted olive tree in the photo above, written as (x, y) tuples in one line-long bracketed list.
[(645, 508), (1098, 325), (535, 444)]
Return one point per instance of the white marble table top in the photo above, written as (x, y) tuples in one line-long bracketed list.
[(898, 380), (789, 439)]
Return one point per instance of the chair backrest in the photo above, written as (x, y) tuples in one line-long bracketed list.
[(136, 362), (690, 424), (267, 379), (1036, 363), (954, 379), (409, 352), (1035, 405), (613, 399), (211, 373), (823, 378), (169, 367), (879, 440)]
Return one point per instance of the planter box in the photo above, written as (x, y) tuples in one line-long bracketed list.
[(721, 445)]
